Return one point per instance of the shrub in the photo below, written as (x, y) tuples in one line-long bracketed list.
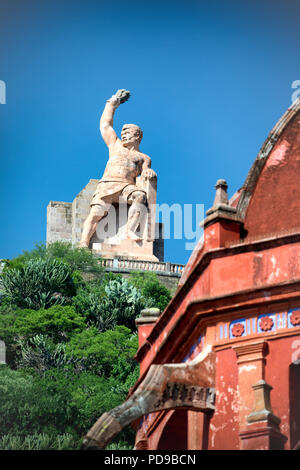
[(7, 321), (121, 445), (123, 302), (89, 302), (57, 322)]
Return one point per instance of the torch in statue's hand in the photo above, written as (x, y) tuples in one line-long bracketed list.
[(120, 97)]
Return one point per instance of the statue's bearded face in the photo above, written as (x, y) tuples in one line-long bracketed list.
[(131, 135)]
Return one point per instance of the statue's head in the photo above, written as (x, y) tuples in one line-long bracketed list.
[(131, 134)]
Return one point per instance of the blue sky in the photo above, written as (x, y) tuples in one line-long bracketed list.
[(208, 82)]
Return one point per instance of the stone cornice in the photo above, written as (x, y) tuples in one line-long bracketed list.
[(219, 215), (199, 313)]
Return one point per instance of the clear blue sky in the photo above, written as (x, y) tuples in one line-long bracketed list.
[(208, 82)]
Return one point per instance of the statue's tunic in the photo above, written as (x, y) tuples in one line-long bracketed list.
[(112, 191), (119, 179)]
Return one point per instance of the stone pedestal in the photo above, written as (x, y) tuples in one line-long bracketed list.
[(145, 323), (262, 432), (262, 436), (221, 225)]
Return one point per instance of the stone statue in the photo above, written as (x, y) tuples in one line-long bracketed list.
[(119, 181)]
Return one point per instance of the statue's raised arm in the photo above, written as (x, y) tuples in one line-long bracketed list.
[(106, 122)]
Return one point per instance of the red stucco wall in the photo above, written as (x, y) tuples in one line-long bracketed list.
[(224, 425)]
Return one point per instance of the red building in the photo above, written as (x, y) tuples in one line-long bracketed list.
[(220, 367)]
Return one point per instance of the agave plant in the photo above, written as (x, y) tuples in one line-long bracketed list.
[(123, 302), (41, 354), (39, 441), (40, 283)]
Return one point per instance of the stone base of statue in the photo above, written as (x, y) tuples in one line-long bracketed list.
[(65, 222), (127, 249)]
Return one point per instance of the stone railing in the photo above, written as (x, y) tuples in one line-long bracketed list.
[(137, 265)]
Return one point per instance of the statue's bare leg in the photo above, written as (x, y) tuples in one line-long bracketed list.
[(97, 212), (136, 214)]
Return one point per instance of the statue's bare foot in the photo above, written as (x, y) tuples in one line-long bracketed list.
[(133, 236)]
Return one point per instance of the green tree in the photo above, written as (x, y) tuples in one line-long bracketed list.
[(7, 321), (105, 353), (29, 405), (58, 402), (58, 322), (154, 293)]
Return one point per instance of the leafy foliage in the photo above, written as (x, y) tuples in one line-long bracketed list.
[(121, 445), (28, 406), (78, 259), (58, 322), (107, 353), (123, 302), (60, 401), (153, 292), (7, 320), (39, 283), (71, 342)]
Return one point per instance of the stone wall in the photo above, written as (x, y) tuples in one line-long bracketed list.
[(59, 221)]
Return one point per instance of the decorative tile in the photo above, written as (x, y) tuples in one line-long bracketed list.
[(266, 322), (237, 328)]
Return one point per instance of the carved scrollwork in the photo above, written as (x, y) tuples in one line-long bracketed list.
[(181, 395)]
